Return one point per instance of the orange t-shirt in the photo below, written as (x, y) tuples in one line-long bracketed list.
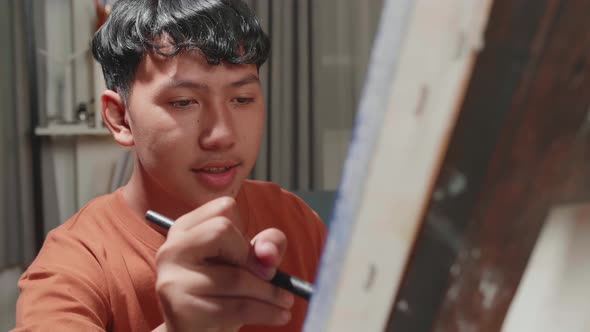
[(96, 272)]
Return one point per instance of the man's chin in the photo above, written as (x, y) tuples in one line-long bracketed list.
[(205, 195)]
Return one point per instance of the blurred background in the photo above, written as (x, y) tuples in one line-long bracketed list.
[(519, 229), (55, 154)]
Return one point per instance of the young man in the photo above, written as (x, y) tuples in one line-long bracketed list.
[(184, 91)]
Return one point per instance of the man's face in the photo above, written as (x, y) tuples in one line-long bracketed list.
[(196, 127)]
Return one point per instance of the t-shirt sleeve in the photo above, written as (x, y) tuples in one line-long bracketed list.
[(63, 290)]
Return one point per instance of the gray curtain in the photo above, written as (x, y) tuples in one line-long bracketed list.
[(312, 84), (16, 210), (285, 153)]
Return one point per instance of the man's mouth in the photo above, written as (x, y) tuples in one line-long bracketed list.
[(217, 175), (215, 170)]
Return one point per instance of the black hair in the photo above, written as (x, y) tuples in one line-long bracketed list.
[(219, 29)]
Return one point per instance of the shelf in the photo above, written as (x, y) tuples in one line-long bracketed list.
[(70, 130)]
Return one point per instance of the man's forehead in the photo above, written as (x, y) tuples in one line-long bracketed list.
[(166, 47), (190, 64), (192, 71), (190, 56)]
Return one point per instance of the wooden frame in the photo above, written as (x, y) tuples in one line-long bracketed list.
[(404, 255), (420, 67)]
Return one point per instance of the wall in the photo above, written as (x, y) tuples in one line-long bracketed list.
[(343, 34), (77, 167)]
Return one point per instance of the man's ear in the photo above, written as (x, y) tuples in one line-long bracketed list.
[(116, 118)]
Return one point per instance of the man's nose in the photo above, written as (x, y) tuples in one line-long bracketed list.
[(218, 131)]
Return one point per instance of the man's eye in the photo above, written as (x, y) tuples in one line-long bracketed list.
[(243, 100), (183, 103)]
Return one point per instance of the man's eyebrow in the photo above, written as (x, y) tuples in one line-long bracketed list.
[(173, 83), (185, 84), (245, 81)]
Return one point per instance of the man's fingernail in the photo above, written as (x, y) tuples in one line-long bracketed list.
[(268, 247)]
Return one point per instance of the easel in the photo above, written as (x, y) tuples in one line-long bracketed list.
[(430, 236)]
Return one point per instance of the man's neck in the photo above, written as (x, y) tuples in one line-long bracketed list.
[(142, 195)]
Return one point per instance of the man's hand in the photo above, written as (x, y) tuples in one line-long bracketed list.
[(212, 278)]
